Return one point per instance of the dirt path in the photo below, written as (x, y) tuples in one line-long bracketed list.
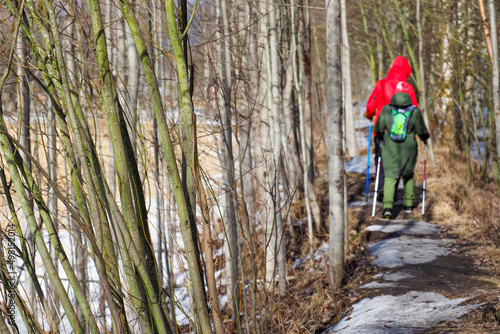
[(419, 280)]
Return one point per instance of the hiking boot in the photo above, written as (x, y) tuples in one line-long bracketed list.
[(388, 213), (408, 209)]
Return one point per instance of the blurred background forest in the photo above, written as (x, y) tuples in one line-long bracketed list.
[(167, 166)]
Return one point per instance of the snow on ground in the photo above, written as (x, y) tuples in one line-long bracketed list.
[(397, 276), (377, 285), (408, 313), (395, 252), (414, 311), (405, 227), (358, 164)]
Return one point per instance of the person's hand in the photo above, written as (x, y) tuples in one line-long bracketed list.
[(365, 115)]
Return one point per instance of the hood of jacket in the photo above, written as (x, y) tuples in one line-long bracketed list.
[(401, 100), (400, 69)]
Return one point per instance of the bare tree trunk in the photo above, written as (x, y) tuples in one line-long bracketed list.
[(169, 245), (159, 65), (290, 153), (121, 69), (304, 88), (496, 78), (380, 56), (290, 147), (223, 64), (264, 158), (132, 85), (248, 146), (370, 57), (346, 73), (275, 236), (188, 124), (298, 80), (247, 165), (24, 108), (423, 99), (335, 152)]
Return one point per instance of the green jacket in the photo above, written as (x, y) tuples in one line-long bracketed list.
[(399, 159)]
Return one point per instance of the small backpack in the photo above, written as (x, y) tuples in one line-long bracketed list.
[(399, 123)]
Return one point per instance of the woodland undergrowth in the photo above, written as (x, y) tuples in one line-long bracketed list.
[(468, 210)]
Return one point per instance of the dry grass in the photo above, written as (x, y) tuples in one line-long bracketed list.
[(471, 211)]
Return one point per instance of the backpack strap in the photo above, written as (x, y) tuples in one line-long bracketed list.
[(409, 108)]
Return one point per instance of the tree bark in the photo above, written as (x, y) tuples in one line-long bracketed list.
[(496, 84), (132, 86), (24, 106), (346, 73), (423, 98), (223, 64), (336, 169)]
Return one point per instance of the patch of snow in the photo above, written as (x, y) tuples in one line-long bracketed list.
[(405, 227), (395, 252), (377, 285), (361, 203), (397, 276), (298, 263), (358, 164), (322, 252), (408, 313), (224, 299)]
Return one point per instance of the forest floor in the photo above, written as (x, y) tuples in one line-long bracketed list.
[(435, 273)]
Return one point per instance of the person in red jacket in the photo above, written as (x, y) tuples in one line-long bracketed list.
[(394, 82)]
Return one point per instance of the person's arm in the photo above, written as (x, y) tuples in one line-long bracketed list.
[(420, 127), (380, 126), (371, 104)]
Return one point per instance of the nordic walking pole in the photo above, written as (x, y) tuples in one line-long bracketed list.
[(376, 188), (425, 173), (368, 160)]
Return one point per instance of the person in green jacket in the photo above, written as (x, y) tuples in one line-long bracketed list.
[(399, 157)]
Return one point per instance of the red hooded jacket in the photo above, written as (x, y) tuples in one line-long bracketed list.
[(395, 82)]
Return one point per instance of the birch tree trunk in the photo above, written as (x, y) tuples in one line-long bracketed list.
[(298, 80), (336, 169), (277, 120), (289, 161), (245, 133), (159, 65), (496, 78), (351, 144), (274, 227), (264, 157), (290, 140), (223, 64), (132, 85)]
